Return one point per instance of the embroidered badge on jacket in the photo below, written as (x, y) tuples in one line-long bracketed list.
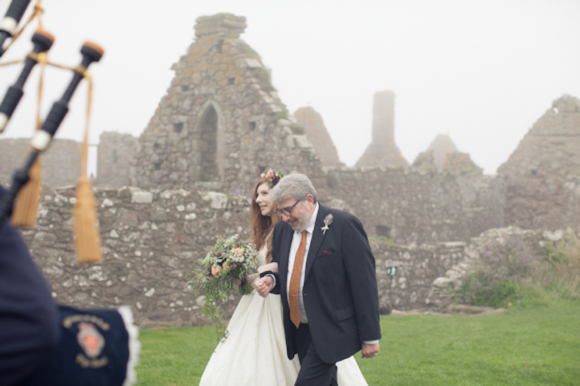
[(90, 340)]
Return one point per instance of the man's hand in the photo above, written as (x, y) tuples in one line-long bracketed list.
[(369, 350), (264, 285)]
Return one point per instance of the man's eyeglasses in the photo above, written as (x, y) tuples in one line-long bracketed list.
[(287, 211)]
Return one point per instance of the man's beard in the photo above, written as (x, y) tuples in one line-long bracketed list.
[(302, 223)]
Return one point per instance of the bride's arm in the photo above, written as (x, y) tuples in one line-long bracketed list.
[(272, 267)]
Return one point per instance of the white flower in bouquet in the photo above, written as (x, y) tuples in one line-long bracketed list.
[(230, 259)]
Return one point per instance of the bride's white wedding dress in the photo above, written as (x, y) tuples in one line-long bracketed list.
[(254, 352)]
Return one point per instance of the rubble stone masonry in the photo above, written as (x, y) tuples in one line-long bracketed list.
[(151, 241)]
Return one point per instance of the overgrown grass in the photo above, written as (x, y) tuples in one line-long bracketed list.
[(522, 346), (515, 270)]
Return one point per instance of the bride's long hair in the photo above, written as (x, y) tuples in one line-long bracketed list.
[(262, 226)]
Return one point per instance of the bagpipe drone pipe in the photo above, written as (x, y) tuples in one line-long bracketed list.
[(95, 346)]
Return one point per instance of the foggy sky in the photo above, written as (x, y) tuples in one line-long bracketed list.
[(481, 71)]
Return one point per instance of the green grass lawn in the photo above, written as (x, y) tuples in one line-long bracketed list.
[(536, 346)]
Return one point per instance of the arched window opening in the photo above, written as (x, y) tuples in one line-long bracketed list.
[(209, 129)]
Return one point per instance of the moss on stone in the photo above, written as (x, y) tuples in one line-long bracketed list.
[(296, 128)]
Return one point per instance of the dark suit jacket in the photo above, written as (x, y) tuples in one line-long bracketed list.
[(340, 288), (28, 315)]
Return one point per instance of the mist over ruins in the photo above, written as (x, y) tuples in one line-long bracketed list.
[(165, 196)]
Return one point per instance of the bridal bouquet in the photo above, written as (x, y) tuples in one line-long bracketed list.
[(229, 260)]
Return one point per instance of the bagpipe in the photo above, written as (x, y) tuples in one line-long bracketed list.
[(96, 347)]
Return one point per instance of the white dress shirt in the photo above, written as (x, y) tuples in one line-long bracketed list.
[(293, 249)]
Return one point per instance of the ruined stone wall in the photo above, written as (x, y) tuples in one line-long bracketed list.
[(414, 207), (60, 163), (151, 240), (317, 134), (114, 156), (417, 269), (441, 146), (221, 122), (542, 176)]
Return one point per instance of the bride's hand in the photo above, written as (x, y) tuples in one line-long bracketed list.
[(250, 278), (264, 285), (237, 282)]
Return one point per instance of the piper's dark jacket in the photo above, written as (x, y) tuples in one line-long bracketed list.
[(28, 315), (340, 287)]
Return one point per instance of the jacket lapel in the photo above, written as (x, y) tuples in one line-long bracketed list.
[(285, 257), (317, 238)]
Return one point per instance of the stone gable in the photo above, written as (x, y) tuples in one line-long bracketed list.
[(221, 122), (542, 176), (316, 132)]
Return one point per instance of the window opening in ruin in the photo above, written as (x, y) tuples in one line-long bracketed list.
[(114, 156), (178, 127), (184, 88), (208, 132), (252, 125), (383, 231), (219, 46), (231, 81), (157, 165)]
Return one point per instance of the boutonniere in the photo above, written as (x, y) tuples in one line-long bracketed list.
[(327, 221)]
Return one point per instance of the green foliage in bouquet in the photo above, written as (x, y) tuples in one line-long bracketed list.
[(230, 259)]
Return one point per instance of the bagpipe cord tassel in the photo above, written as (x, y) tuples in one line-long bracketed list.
[(85, 220), (28, 199)]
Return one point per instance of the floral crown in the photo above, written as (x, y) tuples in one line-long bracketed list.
[(272, 177)]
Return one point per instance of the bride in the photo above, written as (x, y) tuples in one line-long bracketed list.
[(254, 352)]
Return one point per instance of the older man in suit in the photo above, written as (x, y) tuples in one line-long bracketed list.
[(326, 280)]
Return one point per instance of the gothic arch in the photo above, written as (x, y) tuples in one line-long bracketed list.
[(210, 127)]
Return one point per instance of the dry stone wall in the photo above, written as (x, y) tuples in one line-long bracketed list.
[(151, 239), (60, 163), (416, 270), (150, 242), (412, 206), (114, 156)]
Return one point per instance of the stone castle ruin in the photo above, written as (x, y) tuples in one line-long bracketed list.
[(221, 122), (383, 151), (60, 163), (164, 197)]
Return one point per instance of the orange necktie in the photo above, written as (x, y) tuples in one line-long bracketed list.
[(294, 289)]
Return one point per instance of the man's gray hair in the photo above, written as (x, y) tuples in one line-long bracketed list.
[(294, 185)]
